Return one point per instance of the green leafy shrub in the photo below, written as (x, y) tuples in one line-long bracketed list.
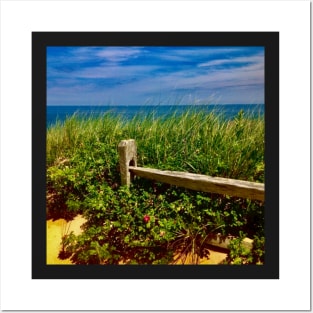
[(239, 254), (154, 223)]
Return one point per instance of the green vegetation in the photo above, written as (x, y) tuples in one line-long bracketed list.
[(154, 223)]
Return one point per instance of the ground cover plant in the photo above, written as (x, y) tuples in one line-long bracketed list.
[(150, 222)]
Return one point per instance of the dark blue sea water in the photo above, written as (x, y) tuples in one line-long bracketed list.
[(229, 111)]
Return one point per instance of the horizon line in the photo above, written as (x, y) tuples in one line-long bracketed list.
[(151, 105)]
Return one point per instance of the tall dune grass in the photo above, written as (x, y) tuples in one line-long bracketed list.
[(83, 177), (197, 142)]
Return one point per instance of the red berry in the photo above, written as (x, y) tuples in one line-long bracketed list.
[(146, 218)]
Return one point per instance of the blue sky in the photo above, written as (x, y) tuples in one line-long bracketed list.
[(155, 75)]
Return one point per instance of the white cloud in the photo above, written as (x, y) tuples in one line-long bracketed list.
[(258, 59), (118, 54), (113, 71)]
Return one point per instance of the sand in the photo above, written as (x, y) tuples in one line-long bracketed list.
[(55, 230), (58, 228)]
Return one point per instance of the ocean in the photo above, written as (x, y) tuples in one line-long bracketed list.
[(229, 111)]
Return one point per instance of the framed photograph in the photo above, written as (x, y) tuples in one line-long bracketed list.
[(155, 155)]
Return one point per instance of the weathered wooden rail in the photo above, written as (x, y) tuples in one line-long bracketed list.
[(127, 150), (128, 167)]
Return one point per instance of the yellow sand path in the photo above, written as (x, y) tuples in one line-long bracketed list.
[(58, 228), (55, 231)]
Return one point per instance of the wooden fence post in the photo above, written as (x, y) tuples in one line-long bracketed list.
[(127, 150), (238, 188)]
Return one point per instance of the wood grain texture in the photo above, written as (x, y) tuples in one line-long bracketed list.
[(232, 187), (127, 151)]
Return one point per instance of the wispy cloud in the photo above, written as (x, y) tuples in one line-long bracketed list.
[(132, 75)]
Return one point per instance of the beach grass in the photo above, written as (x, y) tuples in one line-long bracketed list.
[(83, 177), (196, 142)]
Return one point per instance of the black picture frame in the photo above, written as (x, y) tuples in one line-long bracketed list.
[(41, 40)]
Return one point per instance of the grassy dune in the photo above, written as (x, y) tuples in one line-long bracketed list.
[(83, 177), (195, 142)]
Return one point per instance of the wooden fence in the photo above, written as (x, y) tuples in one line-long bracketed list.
[(127, 150), (128, 167)]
